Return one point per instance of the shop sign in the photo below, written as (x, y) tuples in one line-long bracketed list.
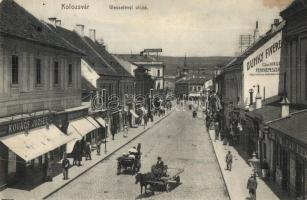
[(262, 68), (26, 124)]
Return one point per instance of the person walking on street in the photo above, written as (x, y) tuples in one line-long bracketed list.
[(229, 160), (98, 146), (65, 166), (88, 152), (252, 186)]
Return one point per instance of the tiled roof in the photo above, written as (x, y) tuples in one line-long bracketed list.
[(15, 21), (108, 58), (93, 58), (293, 126)]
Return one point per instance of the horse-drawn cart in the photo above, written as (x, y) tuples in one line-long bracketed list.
[(172, 177), (132, 163)]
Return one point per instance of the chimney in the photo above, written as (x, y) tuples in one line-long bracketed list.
[(256, 32), (58, 22), (274, 25), (52, 20), (79, 28), (285, 107), (258, 99), (92, 34), (101, 43)]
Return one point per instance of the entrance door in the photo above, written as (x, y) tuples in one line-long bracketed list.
[(299, 179)]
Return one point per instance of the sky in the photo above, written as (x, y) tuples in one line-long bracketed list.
[(179, 27)]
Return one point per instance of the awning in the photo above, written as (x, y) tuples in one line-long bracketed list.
[(101, 121), (134, 114), (70, 145), (36, 142), (81, 126), (93, 121)]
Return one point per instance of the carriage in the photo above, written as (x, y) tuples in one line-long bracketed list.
[(126, 162), (164, 180), (131, 161)]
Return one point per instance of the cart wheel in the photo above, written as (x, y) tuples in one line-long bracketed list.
[(152, 192), (167, 187), (178, 179)]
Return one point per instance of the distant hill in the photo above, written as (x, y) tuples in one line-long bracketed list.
[(171, 63)]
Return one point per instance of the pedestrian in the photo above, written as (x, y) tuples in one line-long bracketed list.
[(216, 130), (98, 146), (228, 161), (145, 119), (252, 186), (113, 132), (88, 152), (65, 166), (79, 152)]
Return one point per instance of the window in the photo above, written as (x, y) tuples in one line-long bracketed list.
[(14, 69), (38, 71), (70, 74), (56, 73), (158, 73)]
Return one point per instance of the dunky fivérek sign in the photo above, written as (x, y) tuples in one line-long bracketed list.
[(262, 68)]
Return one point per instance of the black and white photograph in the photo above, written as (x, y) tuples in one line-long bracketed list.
[(153, 99)]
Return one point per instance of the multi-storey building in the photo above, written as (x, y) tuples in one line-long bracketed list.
[(40, 96)]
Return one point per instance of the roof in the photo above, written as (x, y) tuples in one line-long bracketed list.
[(272, 111), (237, 62), (108, 58), (93, 58), (16, 22), (295, 7), (193, 81), (136, 58), (293, 126)]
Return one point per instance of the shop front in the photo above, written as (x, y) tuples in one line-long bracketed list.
[(84, 130), (291, 165), (29, 147)]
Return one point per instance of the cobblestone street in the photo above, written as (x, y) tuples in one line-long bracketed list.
[(181, 142)]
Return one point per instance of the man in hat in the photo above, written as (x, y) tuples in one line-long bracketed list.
[(252, 186), (228, 160), (65, 166)]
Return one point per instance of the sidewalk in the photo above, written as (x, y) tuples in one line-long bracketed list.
[(46, 189), (236, 179)]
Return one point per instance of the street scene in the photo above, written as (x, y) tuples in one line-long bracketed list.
[(148, 99)]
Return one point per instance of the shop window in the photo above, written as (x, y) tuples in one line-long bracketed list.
[(14, 69), (70, 74), (56, 73), (38, 71)]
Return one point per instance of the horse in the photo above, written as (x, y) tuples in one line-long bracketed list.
[(143, 180)]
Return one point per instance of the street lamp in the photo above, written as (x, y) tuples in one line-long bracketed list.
[(253, 161)]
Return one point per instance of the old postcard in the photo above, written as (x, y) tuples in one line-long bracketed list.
[(153, 99)]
